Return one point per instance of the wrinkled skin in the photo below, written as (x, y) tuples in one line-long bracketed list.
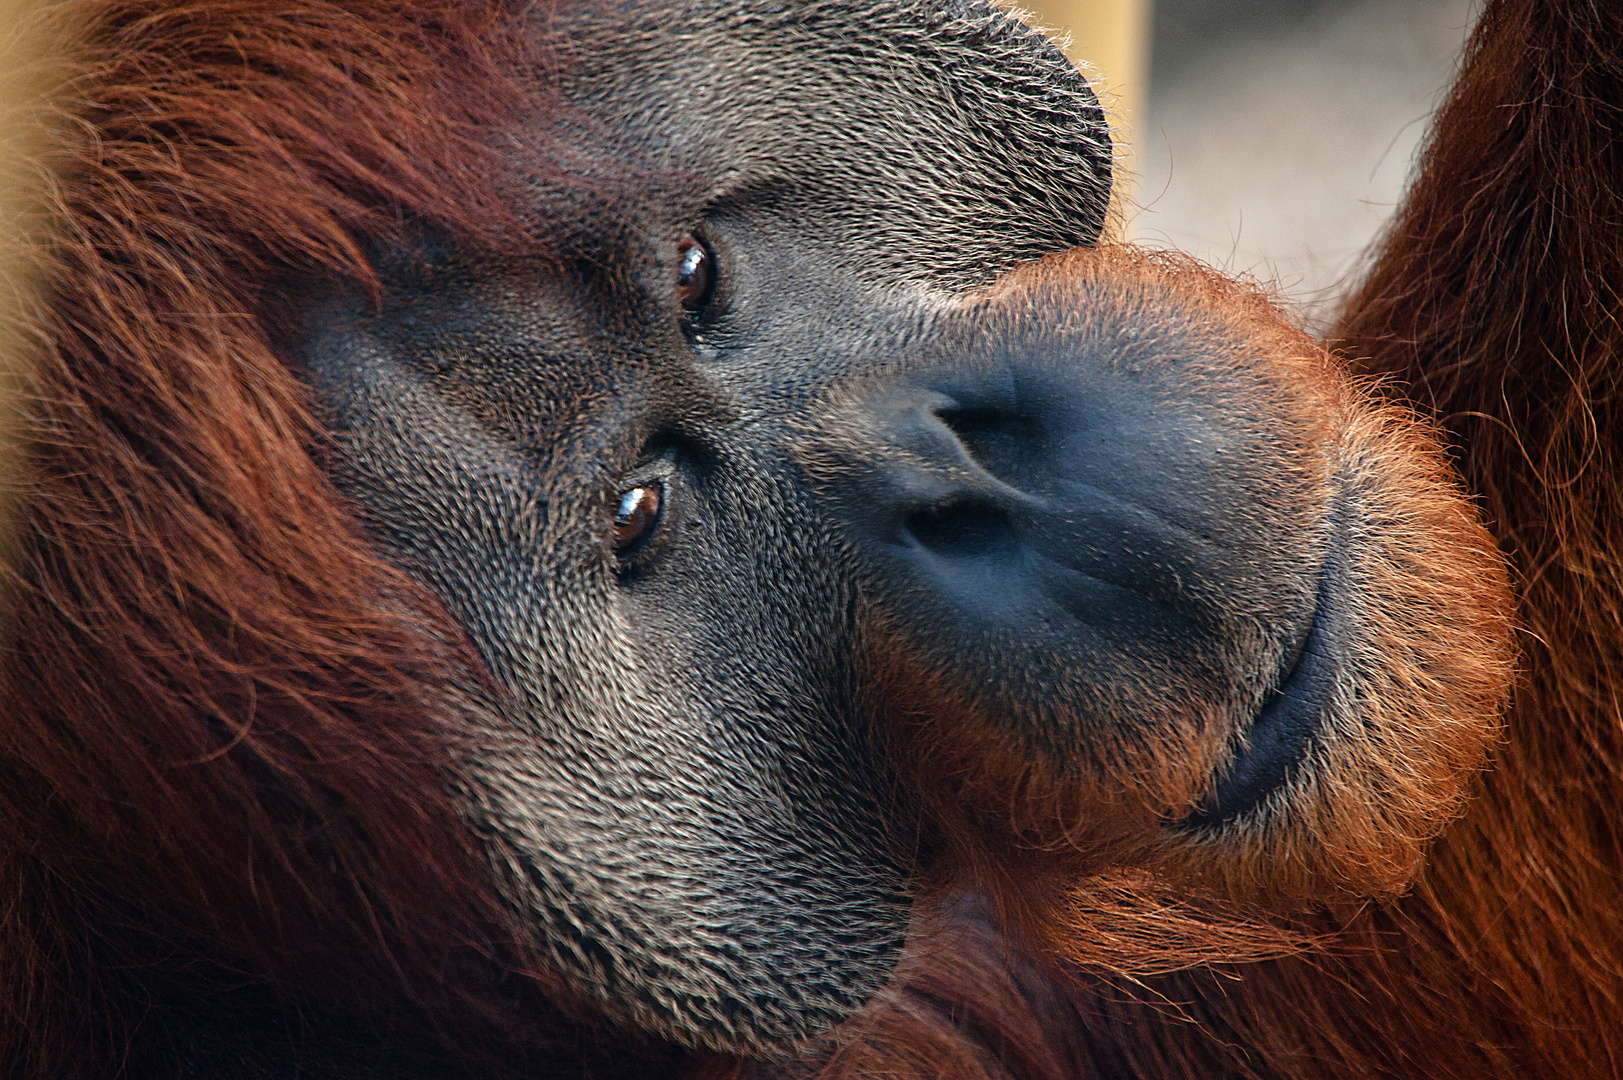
[(1075, 517)]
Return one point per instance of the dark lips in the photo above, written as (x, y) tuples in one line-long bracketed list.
[(1283, 732)]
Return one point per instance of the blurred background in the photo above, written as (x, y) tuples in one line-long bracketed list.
[(1270, 137)]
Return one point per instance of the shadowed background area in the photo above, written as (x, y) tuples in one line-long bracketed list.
[(1270, 137)]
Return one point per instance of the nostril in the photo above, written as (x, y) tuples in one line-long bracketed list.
[(993, 437), (961, 526)]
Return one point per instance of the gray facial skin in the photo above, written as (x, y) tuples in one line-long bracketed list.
[(680, 778), (679, 790)]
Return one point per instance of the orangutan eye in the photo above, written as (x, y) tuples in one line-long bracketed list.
[(695, 275), (634, 521)]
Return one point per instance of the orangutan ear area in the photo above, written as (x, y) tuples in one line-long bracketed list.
[(1359, 820)]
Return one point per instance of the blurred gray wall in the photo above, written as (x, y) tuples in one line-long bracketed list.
[(1278, 134)]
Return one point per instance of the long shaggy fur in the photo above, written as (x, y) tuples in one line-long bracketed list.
[(202, 685)]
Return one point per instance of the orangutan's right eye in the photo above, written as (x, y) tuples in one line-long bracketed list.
[(636, 518)]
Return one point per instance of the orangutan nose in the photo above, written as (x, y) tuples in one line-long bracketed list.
[(996, 505), (936, 494), (1045, 501)]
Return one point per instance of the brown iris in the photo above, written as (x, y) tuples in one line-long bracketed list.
[(695, 275), (636, 517)]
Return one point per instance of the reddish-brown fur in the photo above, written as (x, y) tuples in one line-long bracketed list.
[(199, 678), (186, 588)]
